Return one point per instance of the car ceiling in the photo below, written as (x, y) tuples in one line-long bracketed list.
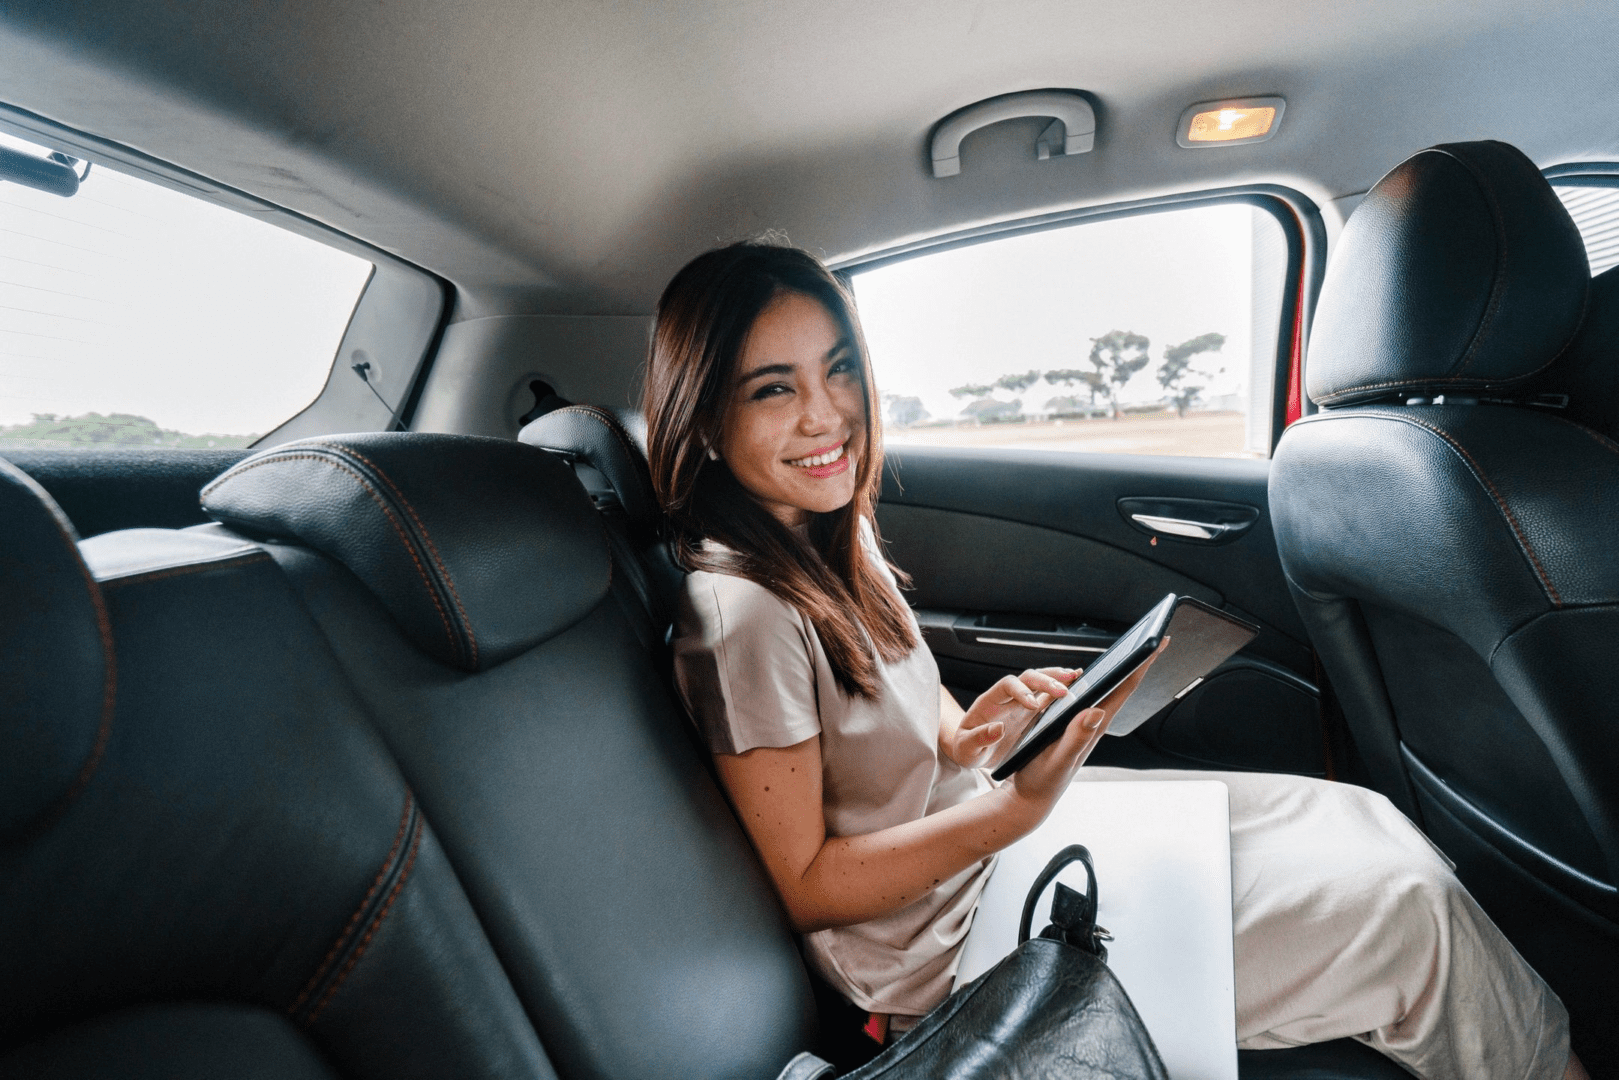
[(567, 157)]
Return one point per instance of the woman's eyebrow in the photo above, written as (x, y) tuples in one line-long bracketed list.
[(768, 369), (843, 345)]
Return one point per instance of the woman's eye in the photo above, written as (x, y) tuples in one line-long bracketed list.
[(771, 390), (847, 366)]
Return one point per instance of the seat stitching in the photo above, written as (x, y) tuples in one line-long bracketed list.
[(376, 924), (449, 631), (348, 927), (610, 422), (1478, 471), (444, 571)]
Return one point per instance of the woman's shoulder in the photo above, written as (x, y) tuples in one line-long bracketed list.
[(721, 604)]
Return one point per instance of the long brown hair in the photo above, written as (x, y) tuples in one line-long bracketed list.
[(702, 323)]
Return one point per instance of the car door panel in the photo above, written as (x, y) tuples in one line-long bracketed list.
[(1027, 559)]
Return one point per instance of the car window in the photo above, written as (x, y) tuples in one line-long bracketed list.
[(1595, 209), (133, 314), (1153, 333)]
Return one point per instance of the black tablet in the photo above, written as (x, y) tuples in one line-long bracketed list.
[(1201, 638)]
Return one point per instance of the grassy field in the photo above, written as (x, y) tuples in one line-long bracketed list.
[(1202, 434)]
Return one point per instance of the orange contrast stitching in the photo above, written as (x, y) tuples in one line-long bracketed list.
[(610, 422), (443, 570), (348, 927), (399, 528), (376, 924), (1500, 503)]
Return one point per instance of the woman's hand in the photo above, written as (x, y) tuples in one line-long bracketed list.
[(840, 880), (982, 734), (1040, 783)]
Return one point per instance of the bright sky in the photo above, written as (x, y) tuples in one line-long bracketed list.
[(975, 313), (130, 297)]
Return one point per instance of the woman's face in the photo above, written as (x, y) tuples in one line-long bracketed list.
[(795, 426)]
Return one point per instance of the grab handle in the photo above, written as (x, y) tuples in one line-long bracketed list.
[(1071, 112)]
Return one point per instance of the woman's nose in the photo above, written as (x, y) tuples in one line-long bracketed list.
[(819, 413)]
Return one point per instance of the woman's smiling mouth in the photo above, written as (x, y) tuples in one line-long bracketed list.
[(825, 463), (820, 458)]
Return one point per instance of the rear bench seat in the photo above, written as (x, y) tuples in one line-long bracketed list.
[(211, 865), (465, 586)]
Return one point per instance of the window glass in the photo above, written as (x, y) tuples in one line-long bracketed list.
[(1596, 211), (1154, 333), (132, 314)]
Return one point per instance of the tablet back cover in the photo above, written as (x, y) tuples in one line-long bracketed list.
[(1200, 640)]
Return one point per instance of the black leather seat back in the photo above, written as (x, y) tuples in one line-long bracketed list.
[(614, 881), (215, 820), (1448, 527)]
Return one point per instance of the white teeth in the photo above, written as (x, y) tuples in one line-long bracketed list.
[(818, 459)]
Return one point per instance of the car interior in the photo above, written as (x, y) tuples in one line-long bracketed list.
[(349, 747)]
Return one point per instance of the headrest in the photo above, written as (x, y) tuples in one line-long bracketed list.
[(610, 445), (56, 659), (479, 548), (1460, 272)]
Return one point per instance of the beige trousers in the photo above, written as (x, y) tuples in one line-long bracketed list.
[(1349, 922)]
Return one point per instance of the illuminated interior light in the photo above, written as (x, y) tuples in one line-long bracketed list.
[(1225, 123)]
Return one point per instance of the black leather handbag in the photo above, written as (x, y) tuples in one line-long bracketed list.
[(1052, 1009)]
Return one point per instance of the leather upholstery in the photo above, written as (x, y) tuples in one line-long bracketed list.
[(52, 730), (479, 548), (1455, 563), (607, 449), (245, 838), (173, 1042), (594, 436), (125, 487), (1459, 272), (615, 883)]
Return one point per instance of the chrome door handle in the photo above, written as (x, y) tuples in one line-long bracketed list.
[(1196, 530)]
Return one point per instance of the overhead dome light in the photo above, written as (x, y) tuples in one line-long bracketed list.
[(1228, 123)]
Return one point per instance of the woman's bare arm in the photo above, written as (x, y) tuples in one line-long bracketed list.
[(837, 881)]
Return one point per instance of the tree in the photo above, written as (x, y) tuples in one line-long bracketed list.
[(994, 411), (1116, 356), (905, 411), (1178, 365), (1091, 380), (1018, 383), (1066, 405), (972, 390)]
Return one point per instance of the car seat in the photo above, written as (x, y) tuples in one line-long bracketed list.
[(1447, 525)]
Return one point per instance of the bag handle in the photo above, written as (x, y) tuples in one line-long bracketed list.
[(1073, 917)]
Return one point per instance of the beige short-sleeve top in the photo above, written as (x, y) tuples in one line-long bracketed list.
[(752, 672)]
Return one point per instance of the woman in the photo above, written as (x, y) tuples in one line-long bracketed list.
[(859, 779)]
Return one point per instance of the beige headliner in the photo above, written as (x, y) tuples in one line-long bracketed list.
[(567, 157)]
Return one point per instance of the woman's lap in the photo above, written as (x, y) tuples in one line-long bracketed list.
[(1348, 922)]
